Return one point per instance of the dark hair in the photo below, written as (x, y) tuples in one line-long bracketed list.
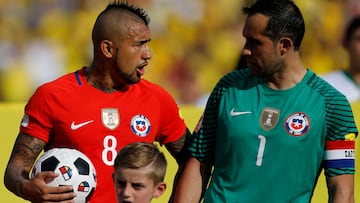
[(123, 4), (285, 20), (352, 26)]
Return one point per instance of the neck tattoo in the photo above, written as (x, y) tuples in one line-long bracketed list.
[(98, 85)]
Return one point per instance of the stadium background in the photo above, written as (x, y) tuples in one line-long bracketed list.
[(193, 44)]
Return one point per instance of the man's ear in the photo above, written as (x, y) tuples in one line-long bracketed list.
[(107, 48), (160, 189), (285, 44)]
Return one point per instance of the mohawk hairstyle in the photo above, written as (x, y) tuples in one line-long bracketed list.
[(123, 4)]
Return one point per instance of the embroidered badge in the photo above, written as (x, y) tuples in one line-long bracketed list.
[(297, 124), (269, 118), (140, 125), (110, 118)]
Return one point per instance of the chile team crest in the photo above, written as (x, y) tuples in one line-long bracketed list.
[(297, 124), (140, 125)]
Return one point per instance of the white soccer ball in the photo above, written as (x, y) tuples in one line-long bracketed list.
[(74, 168)]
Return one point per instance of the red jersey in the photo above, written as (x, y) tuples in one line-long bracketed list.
[(69, 112)]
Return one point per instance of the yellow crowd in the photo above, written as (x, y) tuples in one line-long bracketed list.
[(193, 43)]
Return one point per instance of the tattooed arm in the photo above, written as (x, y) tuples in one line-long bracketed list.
[(26, 150), (178, 151)]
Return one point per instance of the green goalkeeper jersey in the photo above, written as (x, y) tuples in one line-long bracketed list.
[(269, 146)]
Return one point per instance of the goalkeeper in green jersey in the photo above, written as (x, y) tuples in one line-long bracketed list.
[(270, 129)]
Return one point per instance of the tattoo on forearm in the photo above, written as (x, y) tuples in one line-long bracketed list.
[(28, 148), (178, 148)]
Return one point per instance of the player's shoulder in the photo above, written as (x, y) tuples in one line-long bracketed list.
[(152, 88), (153, 93), (63, 83), (242, 78), (324, 88), (337, 79), (236, 75), (343, 82)]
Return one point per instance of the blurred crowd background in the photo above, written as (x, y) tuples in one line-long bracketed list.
[(194, 42)]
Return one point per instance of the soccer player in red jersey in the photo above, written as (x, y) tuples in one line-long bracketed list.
[(97, 109)]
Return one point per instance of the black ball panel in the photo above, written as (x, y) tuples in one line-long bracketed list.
[(82, 166), (49, 164)]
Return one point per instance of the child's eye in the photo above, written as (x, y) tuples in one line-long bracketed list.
[(137, 186)]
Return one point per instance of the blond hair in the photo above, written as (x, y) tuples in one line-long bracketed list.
[(142, 155)]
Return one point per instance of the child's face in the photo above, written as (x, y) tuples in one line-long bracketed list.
[(136, 186)]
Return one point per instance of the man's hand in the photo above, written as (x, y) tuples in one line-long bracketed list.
[(37, 191)]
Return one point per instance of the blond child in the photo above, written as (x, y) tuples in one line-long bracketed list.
[(139, 173)]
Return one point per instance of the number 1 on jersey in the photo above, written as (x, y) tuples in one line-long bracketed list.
[(260, 150)]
